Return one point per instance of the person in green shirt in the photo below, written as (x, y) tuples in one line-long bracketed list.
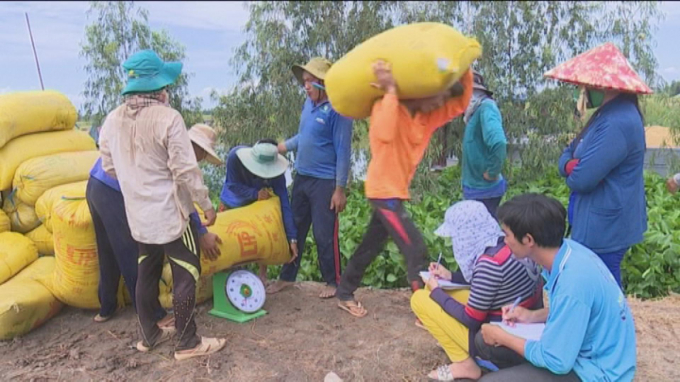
[(484, 148)]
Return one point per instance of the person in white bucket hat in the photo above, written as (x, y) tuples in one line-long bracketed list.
[(496, 279), (251, 173)]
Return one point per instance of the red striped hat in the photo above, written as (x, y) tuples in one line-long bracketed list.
[(603, 67)]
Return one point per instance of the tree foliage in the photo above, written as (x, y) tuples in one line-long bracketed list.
[(119, 29), (521, 41)]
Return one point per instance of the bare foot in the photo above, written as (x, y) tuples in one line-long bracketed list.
[(278, 286), (327, 292), (466, 369)]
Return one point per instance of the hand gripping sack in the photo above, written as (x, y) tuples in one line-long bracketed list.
[(43, 206), (426, 59), (34, 111), (21, 149), (37, 175), (250, 234), (25, 301), (76, 275), (16, 253)]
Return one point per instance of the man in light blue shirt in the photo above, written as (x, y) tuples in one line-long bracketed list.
[(322, 158), (589, 331)]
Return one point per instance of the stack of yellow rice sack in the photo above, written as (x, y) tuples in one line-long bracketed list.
[(39, 149)]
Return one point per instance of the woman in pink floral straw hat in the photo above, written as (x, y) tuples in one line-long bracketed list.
[(603, 165)]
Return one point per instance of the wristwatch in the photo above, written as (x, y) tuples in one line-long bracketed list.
[(293, 241)]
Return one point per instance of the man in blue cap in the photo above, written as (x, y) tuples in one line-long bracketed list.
[(145, 145)]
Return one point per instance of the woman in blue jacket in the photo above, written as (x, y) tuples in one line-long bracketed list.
[(603, 165)]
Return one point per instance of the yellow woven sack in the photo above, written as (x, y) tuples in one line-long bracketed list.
[(76, 274), (21, 149), (37, 175), (35, 111), (25, 303), (43, 240), (22, 217), (16, 252), (249, 234), (426, 59), (4, 222), (43, 206), (204, 291)]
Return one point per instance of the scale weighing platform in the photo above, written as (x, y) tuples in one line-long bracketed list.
[(238, 296)]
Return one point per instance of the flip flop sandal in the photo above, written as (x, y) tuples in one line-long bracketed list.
[(443, 374), (351, 307), (166, 335), (99, 318), (206, 347), (167, 324)]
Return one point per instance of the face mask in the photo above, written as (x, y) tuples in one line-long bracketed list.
[(594, 98)]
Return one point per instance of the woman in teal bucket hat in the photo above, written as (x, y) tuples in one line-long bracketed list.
[(147, 73), (144, 143)]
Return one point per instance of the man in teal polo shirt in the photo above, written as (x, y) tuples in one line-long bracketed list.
[(484, 148), (589, 331)]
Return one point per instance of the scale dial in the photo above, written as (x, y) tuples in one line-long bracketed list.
[(245, 291)]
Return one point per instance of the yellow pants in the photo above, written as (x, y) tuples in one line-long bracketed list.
[(451, 334)]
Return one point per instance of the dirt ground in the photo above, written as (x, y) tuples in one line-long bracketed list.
[(301, 339)]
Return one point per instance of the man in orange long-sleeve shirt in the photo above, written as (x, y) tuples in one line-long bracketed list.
[(399, 134)]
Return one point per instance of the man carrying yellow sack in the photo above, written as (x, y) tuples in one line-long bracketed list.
[(145, 145), (399, 134)]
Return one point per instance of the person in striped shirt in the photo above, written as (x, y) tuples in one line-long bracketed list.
[(496, 278)]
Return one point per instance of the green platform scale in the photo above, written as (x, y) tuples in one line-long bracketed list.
[(238, 296)]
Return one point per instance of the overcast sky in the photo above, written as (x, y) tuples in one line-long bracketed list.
[(210, 31)]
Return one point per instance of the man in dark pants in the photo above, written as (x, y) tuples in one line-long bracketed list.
[(117, 250), (323, 151), (145, 145)]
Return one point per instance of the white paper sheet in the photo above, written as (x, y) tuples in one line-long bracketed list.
[(526, 331), (444, 284)]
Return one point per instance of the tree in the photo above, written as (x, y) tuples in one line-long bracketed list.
[(119, 30), (520, 40)]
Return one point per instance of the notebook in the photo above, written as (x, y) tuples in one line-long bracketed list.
[(444, 284), (526, 331)]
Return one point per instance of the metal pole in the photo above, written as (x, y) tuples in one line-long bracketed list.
[(35, 54)]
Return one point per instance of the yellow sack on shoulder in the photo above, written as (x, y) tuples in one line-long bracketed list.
[(4, 222), (426, 58), (43, 206), (25, 303), (37, 175), (250, 234), (34, 111), (16, 253), (22, 217), (43, 240), (76, 275), (21, 149)]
